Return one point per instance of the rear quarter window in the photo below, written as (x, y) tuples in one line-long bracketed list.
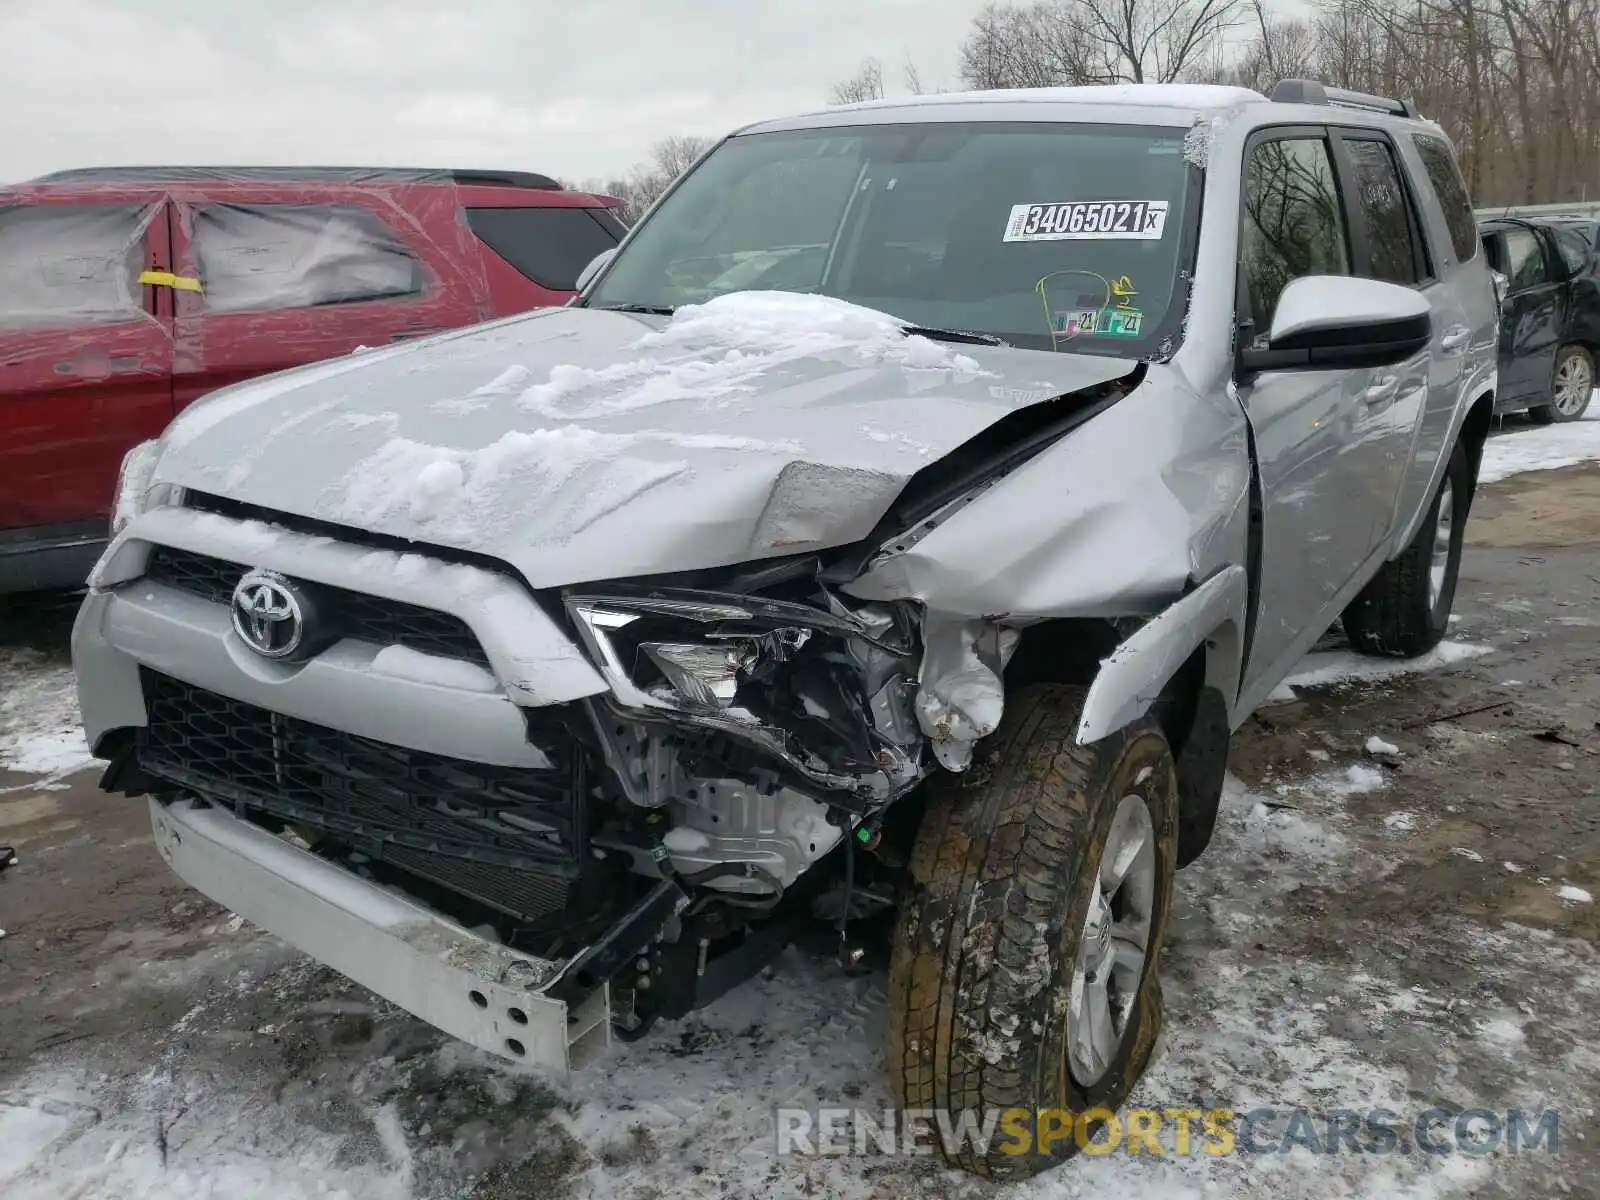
[(1444, 176), (550, 246)]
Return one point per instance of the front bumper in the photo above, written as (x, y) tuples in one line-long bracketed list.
[(471, 988), (128, 621)]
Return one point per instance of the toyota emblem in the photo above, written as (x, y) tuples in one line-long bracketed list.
[(268, 614)]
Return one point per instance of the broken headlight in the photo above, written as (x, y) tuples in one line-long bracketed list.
[(826, 689), (136, 493), (695, 654)]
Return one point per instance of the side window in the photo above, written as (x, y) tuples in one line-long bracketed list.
[(550, 246), (254, 258), (1394, 238), (1524, 259), (1451, 190), (72, 264), (1576, 244), (1293, 224)]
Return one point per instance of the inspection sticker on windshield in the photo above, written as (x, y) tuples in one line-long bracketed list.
[(1143, 220)]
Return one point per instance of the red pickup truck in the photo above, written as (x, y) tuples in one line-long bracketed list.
[(126, 293)]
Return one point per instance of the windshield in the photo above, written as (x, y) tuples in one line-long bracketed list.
[(1048, 236)]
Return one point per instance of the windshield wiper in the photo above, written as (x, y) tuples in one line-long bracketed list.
[(966, 337), (658, 310)]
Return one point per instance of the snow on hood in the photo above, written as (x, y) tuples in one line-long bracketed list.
[(580, 444)]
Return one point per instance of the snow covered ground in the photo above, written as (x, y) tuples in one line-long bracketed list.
[(1321, 668), (1543, 447), (39, 730)]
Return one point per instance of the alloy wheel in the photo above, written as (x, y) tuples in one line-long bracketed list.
[(1115, 944)]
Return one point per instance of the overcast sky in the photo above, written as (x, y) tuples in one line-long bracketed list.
[(561, 86)]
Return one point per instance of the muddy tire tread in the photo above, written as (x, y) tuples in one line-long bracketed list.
[(995, 847)]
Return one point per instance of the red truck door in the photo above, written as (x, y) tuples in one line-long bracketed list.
[(85, 352), (293, 275)]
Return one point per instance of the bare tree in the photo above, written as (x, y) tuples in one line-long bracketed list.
[(865, 84), (1514, 83), (1152, 42), (638, 190), (868, 82), (1050, 43), (1043, 44), (912, 78), (674, 155)]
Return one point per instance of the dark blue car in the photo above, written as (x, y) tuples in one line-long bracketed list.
[(1549, 313)]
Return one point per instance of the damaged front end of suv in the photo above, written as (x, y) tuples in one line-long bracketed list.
[(747, 740), (754, 743), (751, 770), (715, 764)]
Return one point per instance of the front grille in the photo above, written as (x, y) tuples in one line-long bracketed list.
[(438, 817), (352, 614)]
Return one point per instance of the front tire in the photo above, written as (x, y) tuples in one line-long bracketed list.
[(1405, 610), (1023, 976), (1571, 387)]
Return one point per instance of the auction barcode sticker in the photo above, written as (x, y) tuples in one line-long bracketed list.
[(1142, 220)]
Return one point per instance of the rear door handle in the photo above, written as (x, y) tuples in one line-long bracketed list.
[(1455, 339), (1383, 391)]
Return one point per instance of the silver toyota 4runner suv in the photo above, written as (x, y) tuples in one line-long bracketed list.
[(880, 551)]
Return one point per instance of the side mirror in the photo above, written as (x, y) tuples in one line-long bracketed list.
[(1502, 286), (1339, 322), (596, 264)]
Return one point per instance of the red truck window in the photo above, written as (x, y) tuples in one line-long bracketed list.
[(71, 264), (550, 246), (257, 257)]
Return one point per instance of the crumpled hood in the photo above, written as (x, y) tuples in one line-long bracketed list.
[(581, 445)]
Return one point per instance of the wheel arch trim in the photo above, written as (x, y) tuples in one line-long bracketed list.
[(1132, 677), (1484, 395)]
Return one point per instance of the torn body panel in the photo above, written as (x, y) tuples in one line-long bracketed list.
[(1150, 494), (1131, 679), (1147, 498)]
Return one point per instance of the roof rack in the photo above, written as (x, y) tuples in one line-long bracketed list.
[(1310, 91), (464, 177)]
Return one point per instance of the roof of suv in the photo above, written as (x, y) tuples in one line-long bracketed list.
[(454, 175), (1188, 98), (1133, 103)]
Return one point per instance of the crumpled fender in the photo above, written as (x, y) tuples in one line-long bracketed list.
[(1132, 676)]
